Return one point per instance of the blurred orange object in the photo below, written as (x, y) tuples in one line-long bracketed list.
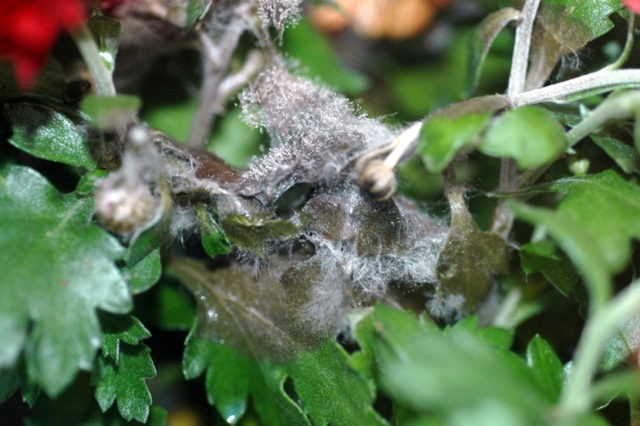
[(394, 19)]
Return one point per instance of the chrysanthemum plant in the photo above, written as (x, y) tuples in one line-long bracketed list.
[(309, 279)]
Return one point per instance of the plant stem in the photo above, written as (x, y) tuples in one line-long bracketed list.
[(577, 397), (628, 46), (520, 60), (617, 108), (503, 217), (589, 84), (216, 59), (89, 50)]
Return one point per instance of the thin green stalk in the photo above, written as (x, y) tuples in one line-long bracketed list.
[(89, 50), (628, 46), (577, 395), (616, 108)]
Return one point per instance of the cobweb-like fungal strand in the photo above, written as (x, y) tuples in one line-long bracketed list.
[(279, 13), (314, 131)]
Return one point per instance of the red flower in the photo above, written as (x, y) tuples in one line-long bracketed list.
[(28, 29), (632, 5)]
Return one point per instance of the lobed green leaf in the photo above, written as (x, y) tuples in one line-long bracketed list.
[(231, 377), (594, 224), (432, 372), (330, 391), (123, 382), (58, 268)]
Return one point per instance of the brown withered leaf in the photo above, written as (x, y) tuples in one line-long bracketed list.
[(565, 27), (258, 313), (470, 257), (482, 39), (376, 227)]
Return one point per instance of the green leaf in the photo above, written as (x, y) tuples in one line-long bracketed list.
[(51, 82), (483, 37), (214, 241), (88, 182), (330, 391), (419, 90), (431, 372), (441, 137), (123, 366), (493, 336), (623, 345), (618, 385), (591, 14), (530, 135), (594, 224), (402, 324), (231, 377), (625, 156), (172, 308), (48, 134), (106, 31), (58, 268), (145, 273), (546, 367), (541, 257), (607, 207), (111, 112), (173, 119), (9, 383), (120, 328), (157, 417), (318, 59), (636, 131), (123, 381), (196, 9)]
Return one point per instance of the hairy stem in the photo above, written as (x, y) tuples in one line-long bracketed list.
[(577, 397), (597, 82), (216, 60), (97, 68), (520, 61), (503, 217)]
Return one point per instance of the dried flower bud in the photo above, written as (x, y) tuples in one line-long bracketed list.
[(124, 208), (377, 177), (128, 200)]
